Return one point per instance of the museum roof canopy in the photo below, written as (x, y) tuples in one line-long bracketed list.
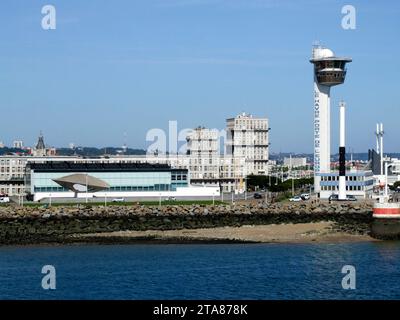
[(82, 183)]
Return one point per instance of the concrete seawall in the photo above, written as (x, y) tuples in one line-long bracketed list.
[(57, 224)]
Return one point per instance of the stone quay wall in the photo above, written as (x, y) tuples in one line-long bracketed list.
[(25, 225)]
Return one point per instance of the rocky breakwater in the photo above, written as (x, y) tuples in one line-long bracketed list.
[(22, 225)]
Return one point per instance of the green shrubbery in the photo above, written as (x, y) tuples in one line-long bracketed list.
[(263, 182)]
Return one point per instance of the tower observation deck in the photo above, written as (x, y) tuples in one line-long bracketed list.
[(328, 69)]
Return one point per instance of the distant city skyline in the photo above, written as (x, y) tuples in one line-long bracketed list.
[(110, 72)]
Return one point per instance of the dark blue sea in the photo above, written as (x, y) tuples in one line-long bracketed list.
[(234, 271)]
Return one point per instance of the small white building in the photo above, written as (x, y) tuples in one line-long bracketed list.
[(18, 144), (358, 183), (294, 162)]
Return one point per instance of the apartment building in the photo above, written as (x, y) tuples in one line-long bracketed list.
[(203, 153), (248, 137)]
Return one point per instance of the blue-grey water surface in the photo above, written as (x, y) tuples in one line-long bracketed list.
[(239, 271)]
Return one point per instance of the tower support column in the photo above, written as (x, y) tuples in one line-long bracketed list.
[(322, 137)]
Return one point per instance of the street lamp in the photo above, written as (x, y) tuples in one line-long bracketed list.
[(86, 187), (387, 166)]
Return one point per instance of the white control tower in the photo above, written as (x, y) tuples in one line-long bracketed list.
[(329, 71)]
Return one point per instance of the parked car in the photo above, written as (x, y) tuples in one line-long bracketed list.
[(305, 196), (295, 199), (118, 200), (170, 199), (351, 198), (334, 197), (4, 199), (258, 196)]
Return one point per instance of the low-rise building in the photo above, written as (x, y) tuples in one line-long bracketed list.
[(109, 180), (292, 162), (358, 183)]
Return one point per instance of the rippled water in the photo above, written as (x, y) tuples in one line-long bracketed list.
[(262, 271)]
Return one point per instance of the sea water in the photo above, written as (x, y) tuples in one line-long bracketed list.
[(202, 271)]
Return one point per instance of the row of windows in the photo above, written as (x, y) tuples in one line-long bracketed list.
[(325, 75), (159, 187), (250, 140), (336, 188), (348, 178), (203, 161), (203, 168), (178, 177), (12, 162), (13, 169), (252, 124), (12, 190), (330, 64)]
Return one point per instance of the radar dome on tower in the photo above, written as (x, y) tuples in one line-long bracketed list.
[(320, 53)]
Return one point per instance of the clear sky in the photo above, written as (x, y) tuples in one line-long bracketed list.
[(127, 66)]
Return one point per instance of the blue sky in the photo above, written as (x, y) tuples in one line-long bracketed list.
[(126, 66)]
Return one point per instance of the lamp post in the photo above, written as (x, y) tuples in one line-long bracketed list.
[(86, 187), (292, 186), (387, 166)]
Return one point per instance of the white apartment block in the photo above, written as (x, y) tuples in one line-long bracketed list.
[(18, 144), (12, 172), (203, 153), (248, 137), (294, 162)]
